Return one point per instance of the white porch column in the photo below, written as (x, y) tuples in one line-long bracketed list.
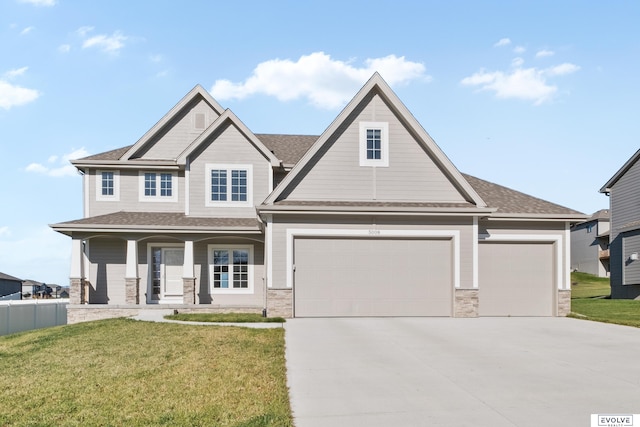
[(188, 276), (77, 291), (131, 279)]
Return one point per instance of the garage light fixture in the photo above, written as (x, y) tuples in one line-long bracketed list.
[(633, 256)]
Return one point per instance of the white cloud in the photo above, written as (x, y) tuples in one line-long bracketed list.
[(26, 31), (325, 82), (109, 44), (520, 83), (519, 50), (156, 58), (83, 31), (517, 62), (5, 231), (62, 168), (12, 95), (47, 3), (15, 72), (544, 52), (502, 42), (64, 48)]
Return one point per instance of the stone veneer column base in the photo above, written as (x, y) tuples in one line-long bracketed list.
[(189, 290), (132, 293), (564, 302), (465, 303), (280, 303), (76, 291)]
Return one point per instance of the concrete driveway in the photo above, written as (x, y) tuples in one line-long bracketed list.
[(460, 372)]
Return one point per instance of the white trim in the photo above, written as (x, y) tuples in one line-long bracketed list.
[(116, 186), (231, 290), (131, 266), (149, 287), (567, 257), (187, 263), (85, 193), (187, 198), (551, 238), (158, 198), (292, 233), (384, 144), (228, 167), (268, 236), (474, 253)]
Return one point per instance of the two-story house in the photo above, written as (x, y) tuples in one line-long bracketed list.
[(590, 244), (368, 219), (624, 205)]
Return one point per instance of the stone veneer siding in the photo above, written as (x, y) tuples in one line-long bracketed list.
[(465, 303), (132, 295), (564, 302), (76, 291), (280, 303), (189, 290)]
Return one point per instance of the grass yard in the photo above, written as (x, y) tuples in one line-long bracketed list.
[(589, 300), (133, 373), (225, 318)]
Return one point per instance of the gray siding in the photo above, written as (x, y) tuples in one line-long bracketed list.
[(631, 269), (585, 249), (229, 146), (625, 209), (411, 176), (180, 132), (107, 257)]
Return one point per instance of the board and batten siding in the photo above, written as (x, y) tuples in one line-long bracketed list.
[(337, 175), (181, 132), (107, 263), (280, 225), (229, 146), (129, 189), (624, 209)]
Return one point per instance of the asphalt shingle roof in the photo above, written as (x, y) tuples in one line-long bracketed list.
[(164, 219), (7, 277)]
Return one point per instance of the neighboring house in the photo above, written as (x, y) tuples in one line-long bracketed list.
[(10, 285), (369, 219), (590, 245), (623, 190)]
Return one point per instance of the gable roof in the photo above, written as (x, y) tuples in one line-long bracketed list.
[(197, 91), (377, 84), (7, 277), (607, 187), (228, 116)]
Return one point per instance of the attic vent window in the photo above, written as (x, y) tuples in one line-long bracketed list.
[(199, 121), (374, 144)]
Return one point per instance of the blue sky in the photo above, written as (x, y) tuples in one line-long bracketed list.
[(539, 96)]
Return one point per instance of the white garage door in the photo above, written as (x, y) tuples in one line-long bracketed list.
[(516, 279), (372, 277)]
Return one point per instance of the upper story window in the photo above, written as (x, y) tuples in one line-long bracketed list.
[(108, 185), (158, 187), (228, 185), (374, 144)]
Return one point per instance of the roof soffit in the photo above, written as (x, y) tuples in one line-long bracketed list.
[(628, 165), (377, 85)]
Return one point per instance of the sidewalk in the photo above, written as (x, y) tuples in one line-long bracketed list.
[(158, 316)]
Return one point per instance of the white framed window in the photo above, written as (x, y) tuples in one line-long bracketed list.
[(228, 185), (108, 185), (231, 269), (374, 144), (158, 186)]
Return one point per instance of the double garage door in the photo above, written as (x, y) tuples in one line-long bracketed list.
[(372, 277), (340, 277)]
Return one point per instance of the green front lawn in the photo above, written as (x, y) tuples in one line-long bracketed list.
[(590, 300), (225, 318), (126, 372)]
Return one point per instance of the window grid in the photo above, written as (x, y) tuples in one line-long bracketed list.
[(107, 184), (221, 269), (218, 185), (149, 184), (156, 271), (238, 264), (239, 185), (165, 184), (374, 144)]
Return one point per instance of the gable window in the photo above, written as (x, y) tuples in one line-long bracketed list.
[(107, 185), (231, 269), (228, 185), (159, 187), (374, 144)]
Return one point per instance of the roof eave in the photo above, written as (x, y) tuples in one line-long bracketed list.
[(129, 164), (108, 228), (368, 210), (537, 217)]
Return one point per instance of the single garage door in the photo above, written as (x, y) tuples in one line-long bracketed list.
[(516, 279), (372, 277)]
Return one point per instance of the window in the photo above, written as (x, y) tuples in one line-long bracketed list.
[(231, 269), (374, 144), (158, 187), (228, 185), (107, 185), (589, 228)]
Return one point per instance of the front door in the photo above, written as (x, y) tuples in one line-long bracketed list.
[(166, 274)]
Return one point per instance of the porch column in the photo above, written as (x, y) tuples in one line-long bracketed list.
[(77, 294), (188, 276), (131, 279)]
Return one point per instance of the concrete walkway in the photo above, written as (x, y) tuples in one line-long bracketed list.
[(158, 316), (464, 372)]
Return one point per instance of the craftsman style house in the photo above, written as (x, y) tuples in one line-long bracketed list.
[(624, 206), (368, 219)]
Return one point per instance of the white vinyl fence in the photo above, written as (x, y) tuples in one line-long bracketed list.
[(18, 316)]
